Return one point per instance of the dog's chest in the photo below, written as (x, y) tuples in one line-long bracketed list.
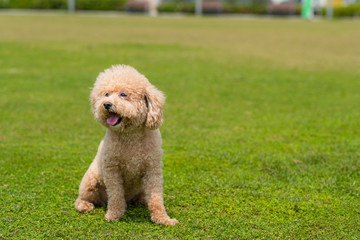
[(131, 159), (132, 155), (131, 166)]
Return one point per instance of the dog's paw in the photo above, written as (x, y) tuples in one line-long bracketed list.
[(111, 216), (84, 206), (172, 222), (165, 221)]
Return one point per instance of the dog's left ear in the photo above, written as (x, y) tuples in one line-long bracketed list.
[(155, 101)]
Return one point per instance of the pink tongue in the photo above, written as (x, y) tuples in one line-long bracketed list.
[(113, 119)]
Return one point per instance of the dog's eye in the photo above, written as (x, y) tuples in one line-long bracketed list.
[(123, 94), (106, 94)]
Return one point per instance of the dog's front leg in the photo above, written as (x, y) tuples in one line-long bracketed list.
[(154, 197), (115, 191)]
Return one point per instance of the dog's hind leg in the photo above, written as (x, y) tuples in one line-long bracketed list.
[(92, 190)]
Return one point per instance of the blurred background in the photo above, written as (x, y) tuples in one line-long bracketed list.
[(261, 135), (306, 8)]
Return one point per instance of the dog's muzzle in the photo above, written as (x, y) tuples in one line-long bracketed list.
[(107, 105)]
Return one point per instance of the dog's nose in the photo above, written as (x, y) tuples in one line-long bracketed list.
[(107, 105)]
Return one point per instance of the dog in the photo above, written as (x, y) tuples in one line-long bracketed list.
[(127, 166)]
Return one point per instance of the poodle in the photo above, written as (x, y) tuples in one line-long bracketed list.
[(127, 166)]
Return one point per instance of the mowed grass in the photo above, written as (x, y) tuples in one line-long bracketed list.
[(261, 136)]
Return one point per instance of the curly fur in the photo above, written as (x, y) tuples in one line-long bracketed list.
[(127, 166)]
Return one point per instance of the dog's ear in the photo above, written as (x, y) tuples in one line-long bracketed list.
[(155, 101)]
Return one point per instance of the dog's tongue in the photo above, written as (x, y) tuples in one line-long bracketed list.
[(113, 119)]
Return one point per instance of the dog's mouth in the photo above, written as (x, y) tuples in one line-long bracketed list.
[(114, 119)]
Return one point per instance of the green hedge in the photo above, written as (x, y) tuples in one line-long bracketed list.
[(36, 4), (227, 8), (62, 4), (349, 11), (117, 5), (184, 7)]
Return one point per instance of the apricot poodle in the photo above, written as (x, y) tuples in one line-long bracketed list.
[(127, 166)]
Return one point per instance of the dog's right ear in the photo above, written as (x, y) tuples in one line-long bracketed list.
[(155, 101)]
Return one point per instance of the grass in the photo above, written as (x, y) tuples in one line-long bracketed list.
[(261, 137)]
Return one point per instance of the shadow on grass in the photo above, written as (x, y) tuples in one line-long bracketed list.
[(134, 213)]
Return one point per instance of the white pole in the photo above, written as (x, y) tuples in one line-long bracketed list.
[(71, 6), (330, 9), (198, 7), (152, 8)]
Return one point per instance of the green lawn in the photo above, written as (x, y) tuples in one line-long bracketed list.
[(261, 134)]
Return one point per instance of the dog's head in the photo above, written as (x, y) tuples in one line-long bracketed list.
[(124, 100)]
